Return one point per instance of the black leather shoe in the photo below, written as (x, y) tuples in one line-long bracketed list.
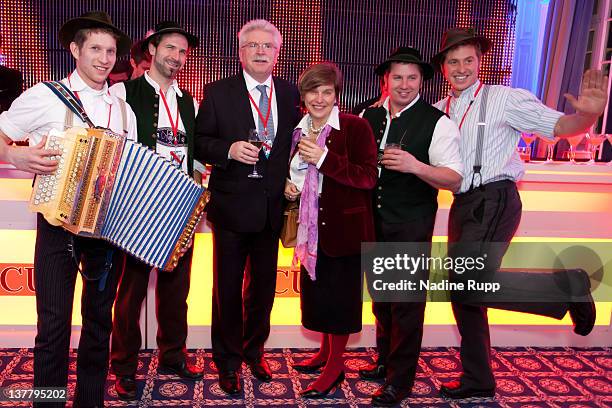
[(306, 367), (126, 387), (456, 390), (313, 393), (373, 372), (261, 370), (583, 313), (388, 396), (230, 382), (183, 369)]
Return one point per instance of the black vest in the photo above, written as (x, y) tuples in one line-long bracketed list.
[(401, 197), (145, 103)]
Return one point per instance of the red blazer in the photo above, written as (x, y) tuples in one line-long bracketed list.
[(345, 205)]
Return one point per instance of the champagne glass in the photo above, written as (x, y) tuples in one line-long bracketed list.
[(256, 141), (595, 140), (550, 148), (574, 141)]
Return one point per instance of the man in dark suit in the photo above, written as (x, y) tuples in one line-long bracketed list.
[(246, 212), (11, 85)]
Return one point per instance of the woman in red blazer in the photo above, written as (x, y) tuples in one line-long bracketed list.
[(332, 170)]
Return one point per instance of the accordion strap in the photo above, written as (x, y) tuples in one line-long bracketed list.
[(70, 100), (123, 110)]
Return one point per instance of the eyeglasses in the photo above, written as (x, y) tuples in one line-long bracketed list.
[(264, 46)]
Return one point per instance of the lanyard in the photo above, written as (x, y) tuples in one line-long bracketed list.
[(448, 101), (264, 120), (173, 125), (110, 106)]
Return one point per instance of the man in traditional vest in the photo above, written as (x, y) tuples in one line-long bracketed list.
[(487, 206), (405, 203), (95, 44), (166, 122)]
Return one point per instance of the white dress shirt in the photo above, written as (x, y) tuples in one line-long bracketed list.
[(38, 110), (251, 85), (297, 170), (444, 148), (510, 111)]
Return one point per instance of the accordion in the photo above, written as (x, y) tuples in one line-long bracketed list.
[(112, 188)]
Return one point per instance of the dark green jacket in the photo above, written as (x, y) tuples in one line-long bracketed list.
[(145, 103)]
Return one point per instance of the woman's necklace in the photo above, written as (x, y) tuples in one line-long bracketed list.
[(312, 129)]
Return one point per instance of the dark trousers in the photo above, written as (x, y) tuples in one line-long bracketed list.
[(243, 294), (55, 273), (491, 214), (399, 325), (171, 293)]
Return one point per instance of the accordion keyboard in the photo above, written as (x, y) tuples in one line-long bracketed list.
[(50, 190), (46, 189)]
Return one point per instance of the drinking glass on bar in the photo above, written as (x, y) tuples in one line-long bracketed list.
[(595, 140), (528, 138), (609, 137), (550, 148), (574, 141), (256, 141)]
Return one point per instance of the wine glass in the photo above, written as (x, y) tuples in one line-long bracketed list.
[(595, 140), (528, 138), (550, 148), (256, 141), (574, 141), (609, 137)]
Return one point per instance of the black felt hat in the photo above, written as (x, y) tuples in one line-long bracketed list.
[(93, 19), (168, 27), (408, 55)]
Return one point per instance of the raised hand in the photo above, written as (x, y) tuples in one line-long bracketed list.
[(593, 94)]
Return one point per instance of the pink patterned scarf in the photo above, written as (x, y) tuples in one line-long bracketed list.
[(308, 231)]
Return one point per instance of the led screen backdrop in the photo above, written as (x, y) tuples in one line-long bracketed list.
[(357, 35)]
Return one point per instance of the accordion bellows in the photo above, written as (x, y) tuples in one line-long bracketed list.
[(112, 188)]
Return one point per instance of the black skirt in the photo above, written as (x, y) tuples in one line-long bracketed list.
[(333, 302)]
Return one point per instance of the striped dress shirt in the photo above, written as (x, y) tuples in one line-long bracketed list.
[(510, 111)]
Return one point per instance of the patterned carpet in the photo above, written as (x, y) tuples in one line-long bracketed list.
[(526, 377)]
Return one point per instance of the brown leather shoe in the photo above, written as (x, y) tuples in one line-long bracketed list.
[(389, 395), (183, 369), (125, 386), (261, 370), (456, 390), (373, 372), (230, 382)]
